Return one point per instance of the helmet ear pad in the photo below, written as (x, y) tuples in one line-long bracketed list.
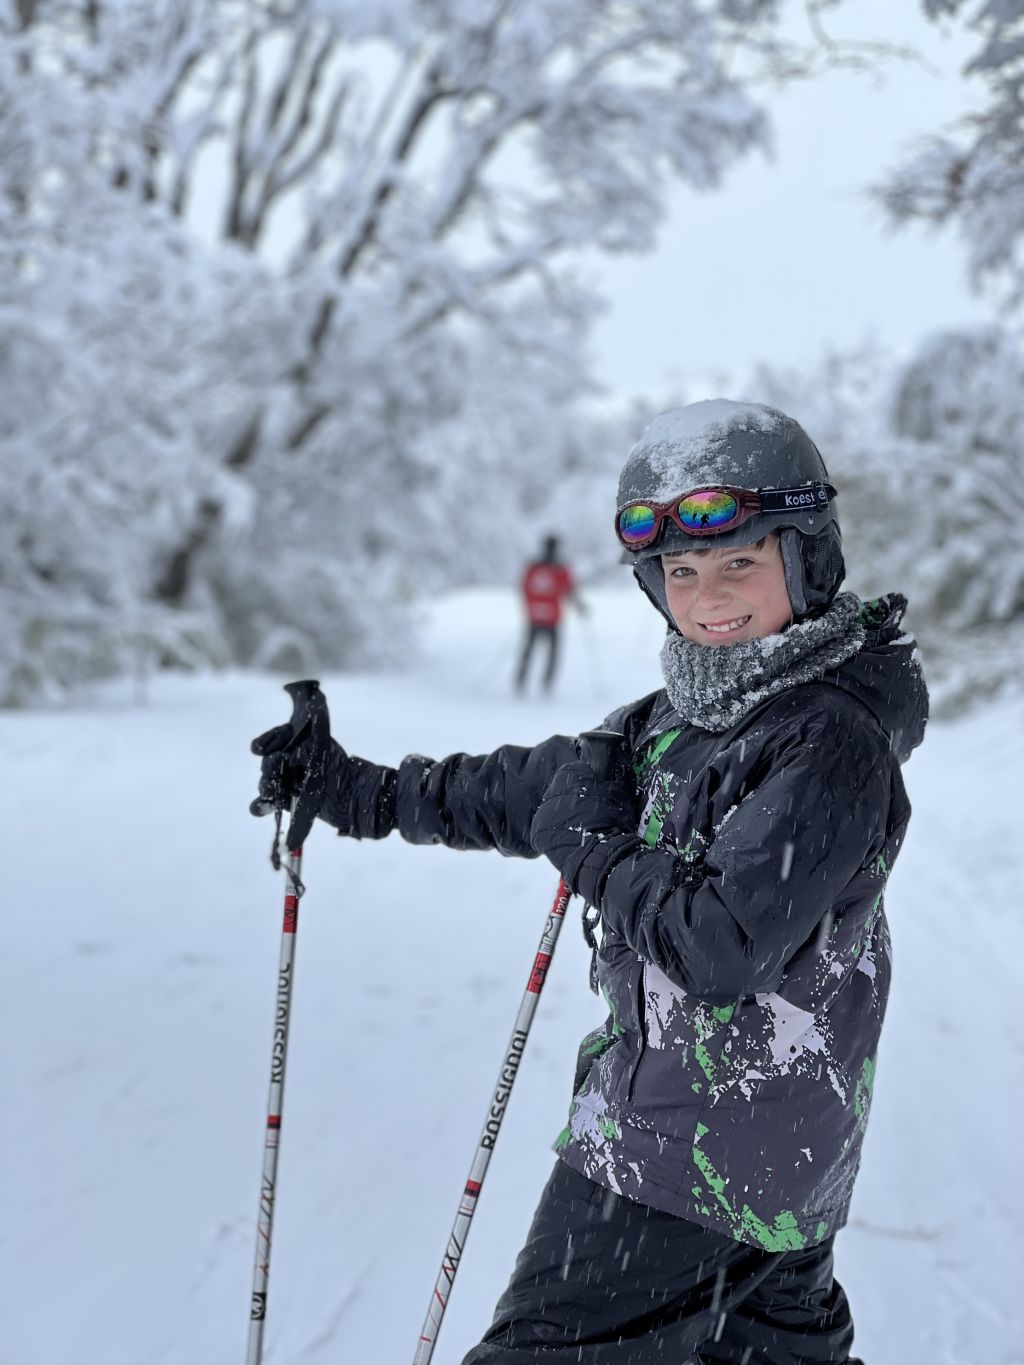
[(814, 568), (650, 575)]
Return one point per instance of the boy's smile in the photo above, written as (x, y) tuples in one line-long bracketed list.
[(725, 596), (726, 627)]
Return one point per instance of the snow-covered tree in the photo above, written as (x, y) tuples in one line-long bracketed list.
[(288, 282), (972, 175), (958, 415), (928, 456)]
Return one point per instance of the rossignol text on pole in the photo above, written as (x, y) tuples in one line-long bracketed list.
[(491, 1128), (309, 721), (603, 750)]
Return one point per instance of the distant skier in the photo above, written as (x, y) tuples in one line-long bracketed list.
[(737, 860), (545, 585)]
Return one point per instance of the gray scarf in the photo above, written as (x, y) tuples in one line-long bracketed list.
[(715, 686)]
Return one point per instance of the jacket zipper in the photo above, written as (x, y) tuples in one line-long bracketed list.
[(641, 1014)]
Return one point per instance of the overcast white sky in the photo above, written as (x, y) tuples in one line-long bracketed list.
[(788, 255)]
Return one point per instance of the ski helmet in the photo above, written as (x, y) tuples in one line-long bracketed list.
[(719, 443)]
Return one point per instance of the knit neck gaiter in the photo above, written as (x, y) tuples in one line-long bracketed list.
[(715, 686)]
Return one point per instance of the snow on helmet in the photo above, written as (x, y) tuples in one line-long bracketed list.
[(719, 443)]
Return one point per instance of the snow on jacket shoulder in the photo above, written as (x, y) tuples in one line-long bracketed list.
[(745, 952)]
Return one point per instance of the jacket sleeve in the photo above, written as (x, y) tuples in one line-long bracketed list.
[(777, 867), (488, 801), (478, 802)]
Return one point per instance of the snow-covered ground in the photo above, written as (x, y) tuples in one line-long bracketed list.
[(142, 936)]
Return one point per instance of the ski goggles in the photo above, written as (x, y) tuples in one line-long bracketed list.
[(710, 511)]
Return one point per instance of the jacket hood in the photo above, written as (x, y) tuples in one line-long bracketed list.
[(886, 675)]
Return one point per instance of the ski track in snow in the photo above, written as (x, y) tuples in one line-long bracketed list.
[(142, 991)]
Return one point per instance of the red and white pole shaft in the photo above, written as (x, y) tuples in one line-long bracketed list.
[(491, 1128), (275, 1105)]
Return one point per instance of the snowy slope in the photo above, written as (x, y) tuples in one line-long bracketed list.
[(138, 988)]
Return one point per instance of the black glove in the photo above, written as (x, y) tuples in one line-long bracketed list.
[(586, 825), (356, 797)]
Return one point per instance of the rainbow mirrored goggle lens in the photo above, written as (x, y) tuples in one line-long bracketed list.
[(709, 511)]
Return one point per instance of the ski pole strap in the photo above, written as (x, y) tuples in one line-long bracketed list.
[(590, 918), (275, 860)]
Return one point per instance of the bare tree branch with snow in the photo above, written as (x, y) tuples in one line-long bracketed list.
[(972, 176), (276, 268)]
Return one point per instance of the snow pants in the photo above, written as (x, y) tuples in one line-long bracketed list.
[(606, 1281), (534, 634)]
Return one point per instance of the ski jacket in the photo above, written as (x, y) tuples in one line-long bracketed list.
[(744, 954), (545, 586)]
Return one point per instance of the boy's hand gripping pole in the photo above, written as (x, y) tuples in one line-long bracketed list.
[(309, 720), (602, 750)]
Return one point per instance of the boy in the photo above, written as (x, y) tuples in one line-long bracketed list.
[(737, 869)]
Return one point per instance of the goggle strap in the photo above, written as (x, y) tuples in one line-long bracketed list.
[(806, 498)]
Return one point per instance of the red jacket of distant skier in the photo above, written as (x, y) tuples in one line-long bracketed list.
[(545, 586)]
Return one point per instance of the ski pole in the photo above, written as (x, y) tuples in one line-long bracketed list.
[(491, 1128), (600, 748), (275, 1104), (309, 716)]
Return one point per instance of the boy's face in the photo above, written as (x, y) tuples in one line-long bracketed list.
[(722, 597)]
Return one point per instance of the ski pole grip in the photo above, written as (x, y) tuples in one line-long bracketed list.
[(604, 751), (309, 712), (303, 695)]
